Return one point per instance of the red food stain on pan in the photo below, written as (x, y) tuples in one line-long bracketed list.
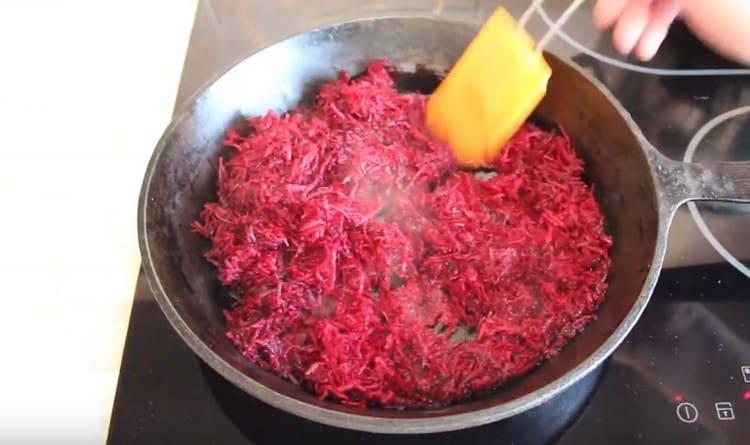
[(373, 271)]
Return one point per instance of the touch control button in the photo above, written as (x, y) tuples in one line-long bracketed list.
[(724, 410), (687, 412)]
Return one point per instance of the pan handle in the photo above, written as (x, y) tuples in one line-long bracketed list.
[(682, 182)]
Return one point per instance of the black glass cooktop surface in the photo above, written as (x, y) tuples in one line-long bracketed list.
[(682, 375)]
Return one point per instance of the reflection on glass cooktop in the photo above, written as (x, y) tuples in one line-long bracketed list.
[(678, 378), (681, 376)]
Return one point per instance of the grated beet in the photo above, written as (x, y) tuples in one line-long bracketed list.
[(372, 270)]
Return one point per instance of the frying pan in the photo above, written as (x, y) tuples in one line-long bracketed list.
[(638, 190)]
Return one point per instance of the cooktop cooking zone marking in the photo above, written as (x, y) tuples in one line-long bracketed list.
[(702, 226), (633, 67)]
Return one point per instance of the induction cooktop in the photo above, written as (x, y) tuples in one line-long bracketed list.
[(681, 376)]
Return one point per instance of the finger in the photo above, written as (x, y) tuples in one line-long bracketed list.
[(663, 13), (606, 12), (630, 25)]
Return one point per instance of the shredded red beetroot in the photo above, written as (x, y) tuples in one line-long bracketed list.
[(372, 270)]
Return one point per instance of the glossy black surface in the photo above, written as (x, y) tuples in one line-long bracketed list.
[(690, 344)]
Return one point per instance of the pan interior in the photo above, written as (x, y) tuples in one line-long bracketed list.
[(183, 177)]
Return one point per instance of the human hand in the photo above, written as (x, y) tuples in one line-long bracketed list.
[(639, 25)]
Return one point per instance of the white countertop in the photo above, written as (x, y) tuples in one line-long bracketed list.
[(87, 89)]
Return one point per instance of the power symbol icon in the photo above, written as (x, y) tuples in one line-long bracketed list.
[(687, 412)]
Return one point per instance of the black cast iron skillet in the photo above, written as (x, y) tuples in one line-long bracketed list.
[(638, 190)]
